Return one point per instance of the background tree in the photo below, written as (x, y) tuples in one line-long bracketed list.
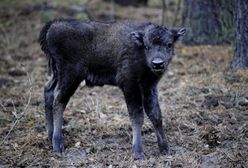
[(208, 21), (240, 60), (174, 6)]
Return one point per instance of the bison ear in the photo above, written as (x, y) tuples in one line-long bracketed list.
[(137, 38), (178, 33)]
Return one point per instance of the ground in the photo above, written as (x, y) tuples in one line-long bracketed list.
[(204, 104)]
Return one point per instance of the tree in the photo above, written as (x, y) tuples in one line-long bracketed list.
[(208, 21), (240, 60)]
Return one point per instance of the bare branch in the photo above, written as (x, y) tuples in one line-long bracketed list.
[(3, 106), (24, 110)]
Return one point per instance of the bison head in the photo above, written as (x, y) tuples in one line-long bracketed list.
[(157, 42)]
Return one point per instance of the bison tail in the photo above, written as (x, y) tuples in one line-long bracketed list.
[(44, 47)]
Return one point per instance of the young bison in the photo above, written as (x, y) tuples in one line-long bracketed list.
[(130, 55)]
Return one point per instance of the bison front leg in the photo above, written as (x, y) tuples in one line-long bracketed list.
[(133, 99), (152, 109)]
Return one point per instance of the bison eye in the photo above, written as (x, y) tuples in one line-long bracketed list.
[(169, 45)]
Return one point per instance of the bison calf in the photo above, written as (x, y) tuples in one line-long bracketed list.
[(130, 55)]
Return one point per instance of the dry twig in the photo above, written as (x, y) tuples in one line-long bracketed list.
[(3, 106), (18, 118)]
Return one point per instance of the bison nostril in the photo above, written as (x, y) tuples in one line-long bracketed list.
[(158, 63)]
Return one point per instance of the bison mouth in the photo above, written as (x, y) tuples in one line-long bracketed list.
[(158, 71)]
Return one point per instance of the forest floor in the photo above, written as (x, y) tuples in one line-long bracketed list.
[(204, 104)]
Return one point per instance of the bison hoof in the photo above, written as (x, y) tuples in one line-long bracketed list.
[(165, 152), (137, 156), (164, 149), (58, 148), (59, 154), (58, 144)]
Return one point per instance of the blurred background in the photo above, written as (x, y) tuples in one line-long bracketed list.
[(203, 100)]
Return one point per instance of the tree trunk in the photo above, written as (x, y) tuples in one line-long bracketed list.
[(240, 60), (208, 21), (163, 15)]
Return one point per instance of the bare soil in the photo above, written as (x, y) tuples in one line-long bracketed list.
[(204, 104)]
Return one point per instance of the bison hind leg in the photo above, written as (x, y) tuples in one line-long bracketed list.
[(66, 86), (48, 95)]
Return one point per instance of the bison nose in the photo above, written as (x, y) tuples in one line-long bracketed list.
[(157, 63)]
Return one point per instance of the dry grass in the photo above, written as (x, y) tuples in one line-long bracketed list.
[(97, 128)]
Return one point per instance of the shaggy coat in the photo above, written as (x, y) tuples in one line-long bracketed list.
[(130, 55)]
